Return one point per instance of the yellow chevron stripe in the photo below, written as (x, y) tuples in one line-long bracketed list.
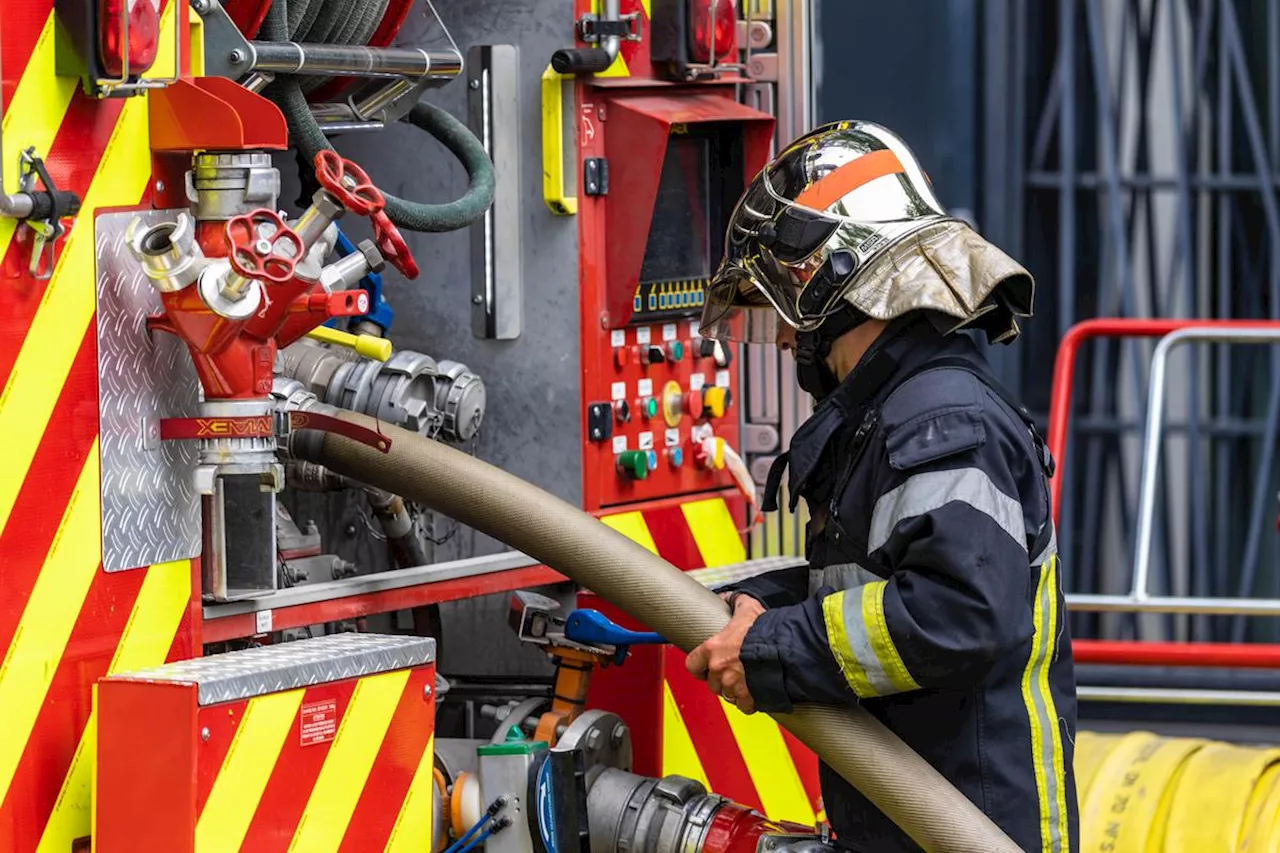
[(346, 767), (413, 829), (145, 643), (68, 304), (49, 617), (34, 115), (633, 526), (713, 530), (679, 757), (770, 765), (238, 788)]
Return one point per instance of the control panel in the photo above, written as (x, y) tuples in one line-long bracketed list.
[(663, 414)]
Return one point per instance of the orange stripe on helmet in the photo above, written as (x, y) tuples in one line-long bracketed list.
[(837, 184)]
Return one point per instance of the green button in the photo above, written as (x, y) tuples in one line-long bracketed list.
[(634, 464), (650, 407), (677, 350)]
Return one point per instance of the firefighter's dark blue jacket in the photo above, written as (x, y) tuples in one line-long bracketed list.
[(933, 591)]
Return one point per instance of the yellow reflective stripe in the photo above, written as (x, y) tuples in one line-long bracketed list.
[(770, 766), (145, 642), (679, 757), (714, 532), (1055, 733), (243, 777), (333, 799), (877, 629), (633, 526), (34, 655), (413, 830), (1046, 740), (39, 104), (841, 649), (68, 304)]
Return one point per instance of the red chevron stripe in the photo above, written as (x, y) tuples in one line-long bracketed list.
[(398, 757), (72, 162), (47, 488), (22, 25), (47, 758), (712, 738), (212, 752), (670, 532), (806, 765), (186, 642), (289, 787)]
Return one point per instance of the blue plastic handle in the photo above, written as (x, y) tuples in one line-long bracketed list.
[(593, 628)]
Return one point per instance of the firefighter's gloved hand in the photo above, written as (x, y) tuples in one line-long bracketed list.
[(716, 661)]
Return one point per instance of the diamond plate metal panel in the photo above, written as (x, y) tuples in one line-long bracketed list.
[(150, 510), (243, 674)]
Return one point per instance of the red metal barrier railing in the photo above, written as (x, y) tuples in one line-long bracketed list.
[(1210, 655), (1064, 367)]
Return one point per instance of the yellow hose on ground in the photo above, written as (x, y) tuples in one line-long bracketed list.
[(1148, 794)]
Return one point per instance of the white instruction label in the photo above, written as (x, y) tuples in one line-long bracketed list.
[(669, 332), (693, 328), (618, 337), (642, 335), (619, 443), (722, 378), (673, 437), (618, 390), (645, 387), (646, 441), (696, 381), (262, 622)]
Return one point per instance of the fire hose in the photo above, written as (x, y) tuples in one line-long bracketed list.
[(905, 787), (306, 135)]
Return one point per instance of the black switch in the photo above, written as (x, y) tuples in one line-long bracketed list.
[(600, 421), (654, 355)]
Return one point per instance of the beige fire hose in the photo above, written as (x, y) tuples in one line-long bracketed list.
[(852, 742)]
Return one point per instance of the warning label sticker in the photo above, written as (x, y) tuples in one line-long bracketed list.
[(318, 722)]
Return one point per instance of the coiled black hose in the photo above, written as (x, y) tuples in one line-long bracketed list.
[(309, 139)]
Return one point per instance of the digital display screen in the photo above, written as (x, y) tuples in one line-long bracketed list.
[(680, 232)]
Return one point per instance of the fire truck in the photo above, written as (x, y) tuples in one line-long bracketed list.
[(364, 470)]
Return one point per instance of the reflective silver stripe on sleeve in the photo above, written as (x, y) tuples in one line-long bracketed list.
[(842, 576), (931, 490), (1050, 550), (860, 644)]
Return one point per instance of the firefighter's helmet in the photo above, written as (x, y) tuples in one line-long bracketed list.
[(846, 214)]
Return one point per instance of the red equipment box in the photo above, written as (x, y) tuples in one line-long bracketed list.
[(326, 741)]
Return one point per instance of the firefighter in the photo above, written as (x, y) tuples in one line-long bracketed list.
[(933, 591)]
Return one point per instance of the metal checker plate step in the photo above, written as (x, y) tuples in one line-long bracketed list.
[(243, 674)]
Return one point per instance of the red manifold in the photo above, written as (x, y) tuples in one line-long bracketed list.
[(233, 320)]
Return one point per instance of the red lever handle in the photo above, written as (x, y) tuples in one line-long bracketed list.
[(392, 246), (268, 254), (348, 183)]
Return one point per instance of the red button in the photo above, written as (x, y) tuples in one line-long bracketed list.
[(693, 404), (621, 355)]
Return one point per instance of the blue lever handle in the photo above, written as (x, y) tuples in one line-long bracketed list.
[(593, 628)]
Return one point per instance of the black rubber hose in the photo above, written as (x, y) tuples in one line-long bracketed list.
[(306, 135)]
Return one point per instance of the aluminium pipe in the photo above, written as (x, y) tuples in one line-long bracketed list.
[(287, 57), (904, 786)]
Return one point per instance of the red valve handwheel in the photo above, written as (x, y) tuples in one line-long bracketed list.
[(348, 183), (255, 256), (392, 245)]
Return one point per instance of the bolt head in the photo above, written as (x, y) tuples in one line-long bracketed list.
[(159, 186), (474, 84), (593, 739), (205, 734), (237, 56), (426, 691), (477, 299), (619, 732)]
